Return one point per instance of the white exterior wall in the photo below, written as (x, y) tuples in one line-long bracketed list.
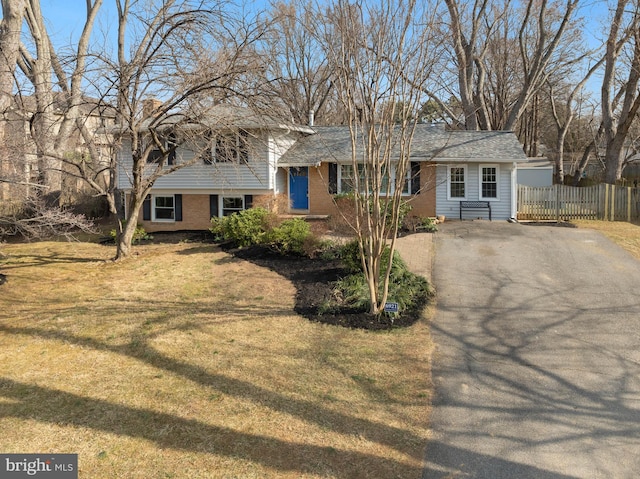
[(501, 207), (278, 146), (258, 175), (282, 186)]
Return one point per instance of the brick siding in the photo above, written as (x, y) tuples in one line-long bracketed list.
[(195, 216), (321, 202)]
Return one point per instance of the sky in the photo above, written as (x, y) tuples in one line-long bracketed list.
[(65, 18)]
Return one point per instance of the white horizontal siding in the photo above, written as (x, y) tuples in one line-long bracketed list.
[(500, 209), (257, 174)]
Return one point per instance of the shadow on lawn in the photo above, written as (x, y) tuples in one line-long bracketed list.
[(61, 408), (29, 260), (58, 407)]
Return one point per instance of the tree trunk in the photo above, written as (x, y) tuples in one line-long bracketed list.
[(613, 162), (584, 161), (619, 111), (126, 229), (10, 27), (560, 159)]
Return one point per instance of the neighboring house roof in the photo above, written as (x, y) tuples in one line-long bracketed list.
[(430, 143), (535, 163)]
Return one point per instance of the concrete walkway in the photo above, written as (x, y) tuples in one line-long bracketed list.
[(537, 361), (417, 251)]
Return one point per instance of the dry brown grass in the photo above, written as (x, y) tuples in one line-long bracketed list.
[(187, 363), (627, 235)]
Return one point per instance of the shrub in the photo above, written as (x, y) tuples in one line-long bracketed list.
[(349, 253), (290, 236), (428, 225), (405, 288), (350, 256), (245, 228), (138, 235), (404, 210), (257, 226), (419, 223)]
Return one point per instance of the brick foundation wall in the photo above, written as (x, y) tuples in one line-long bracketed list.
[(195, 215)]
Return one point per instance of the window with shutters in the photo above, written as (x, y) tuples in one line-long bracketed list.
[(164, 208), (169, 145), (347, 179), (232, 204)]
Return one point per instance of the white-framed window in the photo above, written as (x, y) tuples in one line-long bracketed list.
[(232, 204), (489, 177), (457, 182), (228, 148), (169, 144), (163, 208), (347, 177)]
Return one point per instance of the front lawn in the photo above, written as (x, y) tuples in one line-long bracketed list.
[(188, 363), (626, 235)]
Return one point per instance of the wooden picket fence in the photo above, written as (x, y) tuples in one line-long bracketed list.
[(561, 202)]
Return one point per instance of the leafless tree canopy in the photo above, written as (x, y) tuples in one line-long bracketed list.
[(481, 64)]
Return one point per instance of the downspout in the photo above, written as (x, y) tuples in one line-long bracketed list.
[(514, 191)]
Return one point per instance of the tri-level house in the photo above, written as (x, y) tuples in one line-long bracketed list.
[(256, 160)]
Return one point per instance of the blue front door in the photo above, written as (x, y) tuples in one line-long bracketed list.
[(299, 187)]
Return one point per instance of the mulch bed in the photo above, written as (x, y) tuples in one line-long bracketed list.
[(313, 279)]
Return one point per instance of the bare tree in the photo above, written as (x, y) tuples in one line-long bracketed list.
[(26, 213), (504, 55), (563, 117), (381, 53), (193, 59), (51, 116), (296, 66), (620, 99)]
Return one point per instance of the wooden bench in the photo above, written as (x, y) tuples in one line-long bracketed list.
[(475, 205)]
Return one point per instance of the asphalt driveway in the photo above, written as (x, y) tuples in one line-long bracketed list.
[(537, 360)]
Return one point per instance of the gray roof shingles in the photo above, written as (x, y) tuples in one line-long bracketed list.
[(430, 143)]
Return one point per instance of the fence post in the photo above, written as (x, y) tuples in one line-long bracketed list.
[(557, 187), (629, 204), (613, 203), (606, 202)]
